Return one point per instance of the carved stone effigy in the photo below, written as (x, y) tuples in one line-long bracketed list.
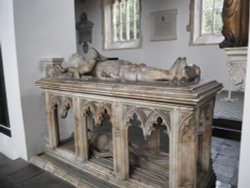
[(182, 113)]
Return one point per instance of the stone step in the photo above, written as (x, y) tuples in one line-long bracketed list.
[(69, 173), (227, 128)]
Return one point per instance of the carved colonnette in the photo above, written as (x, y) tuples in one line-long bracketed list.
[(183, 113)]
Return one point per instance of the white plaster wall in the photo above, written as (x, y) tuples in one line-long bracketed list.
[(244, 166), (15, 146), (210, 58), (44, 29)]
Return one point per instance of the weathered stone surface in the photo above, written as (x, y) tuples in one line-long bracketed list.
[(102, 68), (184, 113)]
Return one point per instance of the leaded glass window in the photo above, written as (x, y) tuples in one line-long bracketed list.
[(121, 24), (125, 23), (211, 16), (206, 21)]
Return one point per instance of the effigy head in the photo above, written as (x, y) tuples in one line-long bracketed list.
[(182, 73)]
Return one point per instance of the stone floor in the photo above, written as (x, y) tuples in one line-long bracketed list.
[(229, 109), (225, 157), (20, 174), (225, 153)]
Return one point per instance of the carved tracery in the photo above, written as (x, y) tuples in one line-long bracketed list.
[(148, 119), (102, 109), (97, 109), (87, 107), (63, 104)]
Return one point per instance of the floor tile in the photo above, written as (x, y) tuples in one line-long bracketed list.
[(7, 183), (25, 174), (9, 166), (226, 161), (45, 180), (228, 109)]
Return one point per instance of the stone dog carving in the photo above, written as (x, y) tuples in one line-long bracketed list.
[(101, 144), (103, 68)]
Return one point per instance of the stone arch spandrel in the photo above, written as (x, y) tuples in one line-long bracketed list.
[(87, 106), (130, 115), (148, 117), (187, 128), (101, 108)]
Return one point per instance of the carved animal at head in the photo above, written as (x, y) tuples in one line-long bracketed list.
[(181, 72)]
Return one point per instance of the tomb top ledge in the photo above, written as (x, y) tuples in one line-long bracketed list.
[(189, 93)]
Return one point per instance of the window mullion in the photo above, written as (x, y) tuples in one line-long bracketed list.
[(213, 18), (120, 18), (127, 21), (121, 24), (134, 21), (201, 18), (114, 21)]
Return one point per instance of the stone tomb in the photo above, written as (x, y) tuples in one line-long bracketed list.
[(134, 134)]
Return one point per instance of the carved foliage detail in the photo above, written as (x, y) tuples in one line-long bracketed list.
[(64, 107), (102, 109), (55, 102), (148, 119), (87, 107), (62, 103), (187, 130)]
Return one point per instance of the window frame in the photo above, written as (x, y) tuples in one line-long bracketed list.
[(108, 43), (195, 27)]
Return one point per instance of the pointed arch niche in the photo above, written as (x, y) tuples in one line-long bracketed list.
[(148, 143)]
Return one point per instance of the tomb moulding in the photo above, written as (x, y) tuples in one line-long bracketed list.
[(185, 110)]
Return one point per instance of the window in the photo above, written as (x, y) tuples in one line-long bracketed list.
[(206, 21), (121, 24)]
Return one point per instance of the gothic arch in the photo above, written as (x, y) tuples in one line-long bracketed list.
[(98, 115)]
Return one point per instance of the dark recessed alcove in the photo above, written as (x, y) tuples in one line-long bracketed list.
[(4, 115)]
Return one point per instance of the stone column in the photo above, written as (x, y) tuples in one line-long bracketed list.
[(81, 134), (120, 143), (52, 120), (208, 135), (183, 150), (154, 140)]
